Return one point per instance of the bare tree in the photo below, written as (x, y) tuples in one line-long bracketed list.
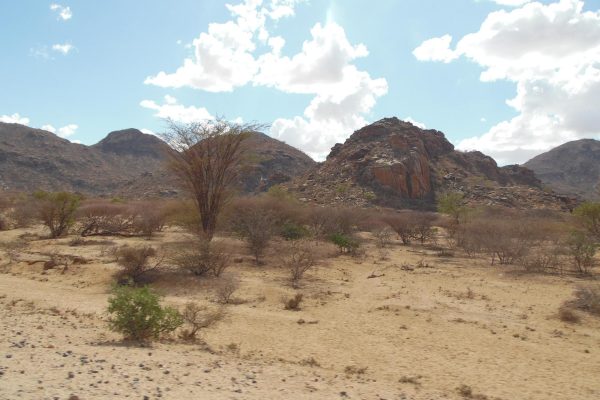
[(205, 159)]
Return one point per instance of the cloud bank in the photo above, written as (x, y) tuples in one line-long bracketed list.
[(552, 53), (243, 51)]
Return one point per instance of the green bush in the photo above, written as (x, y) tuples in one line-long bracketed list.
[(293, 231), (345, 243), (138, 315)]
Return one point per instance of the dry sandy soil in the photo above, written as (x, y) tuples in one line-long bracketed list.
[(408, 333)]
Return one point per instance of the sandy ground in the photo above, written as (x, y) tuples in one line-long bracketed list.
[(408, 333)]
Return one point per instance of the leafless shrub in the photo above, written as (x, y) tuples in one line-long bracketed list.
[(255, 222), (201, 257), (403, 224), (225, 288), (199, 317), (135, 262), (586, 298), (56, 210), (566, 314), (383, 235), (299, 259), (293, 303), (582, 249)]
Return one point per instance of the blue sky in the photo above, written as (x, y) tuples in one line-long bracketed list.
[(83, 69)]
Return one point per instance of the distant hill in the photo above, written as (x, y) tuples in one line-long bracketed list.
[(394, 163), (126, 162), (573, 167)]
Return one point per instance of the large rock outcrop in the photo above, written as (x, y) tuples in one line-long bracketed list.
[(394, 163)]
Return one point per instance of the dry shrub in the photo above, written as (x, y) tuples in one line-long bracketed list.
[(293, 303), (225, 288), (412, 225), (586, 298), (201, 257), (581, 250), (150, 217), (135, 262), (199, 317), (299, 259), (56, 210), (566, 314), (509, 236), (255, 222), (101, 218)]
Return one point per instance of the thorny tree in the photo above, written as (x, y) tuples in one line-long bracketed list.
[(206, 161)]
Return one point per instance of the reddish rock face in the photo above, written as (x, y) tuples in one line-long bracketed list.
[(392, 156), (394, 163)]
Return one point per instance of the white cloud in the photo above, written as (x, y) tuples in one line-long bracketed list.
[(226, 57), (48, 128), (512, 3), (68, 130), (14, 119), (552, 53), (436, 49), (63, 48), (64, 12), (177, 112)]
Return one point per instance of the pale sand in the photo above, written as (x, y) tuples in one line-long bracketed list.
[(504, 342)]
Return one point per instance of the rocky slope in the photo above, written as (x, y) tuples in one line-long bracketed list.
[(395, 163), (125, 163), (573, 167)]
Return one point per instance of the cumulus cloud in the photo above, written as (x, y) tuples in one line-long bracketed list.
[(171, 109), (48, 128), (14, 119), (63, 12), (436, 49), (66, 131), (552, 53), (63, 48), (243, 51)]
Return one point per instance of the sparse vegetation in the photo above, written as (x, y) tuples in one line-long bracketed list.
[(299, 259), (206, 159), (136, 263), (56, 211), (201, 257), (586, 298), (293, 303), (199, 317)]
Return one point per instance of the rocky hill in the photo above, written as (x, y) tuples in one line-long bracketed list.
[(394, 163), (573, 167), (125, 163)]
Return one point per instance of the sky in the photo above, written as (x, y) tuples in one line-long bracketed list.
[(510, 78)]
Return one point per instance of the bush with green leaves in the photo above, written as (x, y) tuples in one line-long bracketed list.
[(56, 210), (138, 315), (294, 231), (346, 243)]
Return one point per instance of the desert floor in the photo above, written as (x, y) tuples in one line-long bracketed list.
[(411, 332)]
